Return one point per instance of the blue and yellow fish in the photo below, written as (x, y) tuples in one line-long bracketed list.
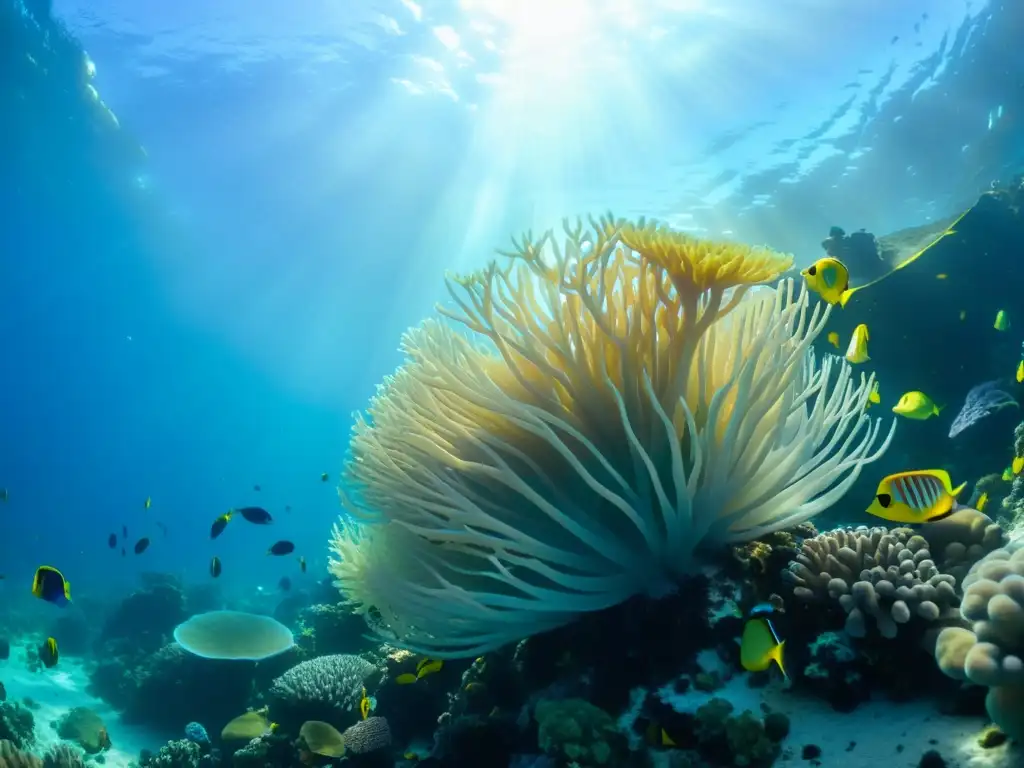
[(760, 645), (50, 585), (829, 278), (918, 496)]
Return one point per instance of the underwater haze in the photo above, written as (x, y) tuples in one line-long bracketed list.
[(295, 463)]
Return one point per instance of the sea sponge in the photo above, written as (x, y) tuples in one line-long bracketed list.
[(233, 635), (328, 686), (887, 575), (614, 402), (85, 728), (991, 651)]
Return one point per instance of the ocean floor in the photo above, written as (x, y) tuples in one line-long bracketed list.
[(57, 690), (878, 734)]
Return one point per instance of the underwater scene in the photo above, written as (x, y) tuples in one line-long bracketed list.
[(511, 384)]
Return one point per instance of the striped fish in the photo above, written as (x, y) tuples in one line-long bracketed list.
[(918, 496)]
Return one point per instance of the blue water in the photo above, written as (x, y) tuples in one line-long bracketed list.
[(311, 172)]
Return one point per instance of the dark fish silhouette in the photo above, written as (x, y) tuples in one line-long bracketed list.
[(141, 545), (255, 515), (112, 541), (281, 548)]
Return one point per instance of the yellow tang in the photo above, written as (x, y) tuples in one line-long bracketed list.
[(365, 705), (1020, 372), (428, 667), (829, 278), (918, 496), (916, 405), (1002, 322), (760, 645), (1018, 464), (857, 352), (982, 502), (322, 738), (405, 679), (1008, 475)]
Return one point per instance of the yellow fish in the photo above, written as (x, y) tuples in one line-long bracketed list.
[(149, 502), (857, 352), (1020, 372), (364, 705), (829, 278), (48, 653), (428, 667), (916, 405), (405, 679), (1007, 476), (1018, 464), (833, 339), (1002, 322), (982, 502), (760, 644), (873, 397), (918, 496), (941, 276)]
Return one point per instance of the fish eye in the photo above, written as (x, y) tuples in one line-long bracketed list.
[(884, 500), (812, 270)]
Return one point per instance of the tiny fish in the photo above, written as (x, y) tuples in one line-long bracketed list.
[(833, 339), (281, 548), (141, 545), (760, 645), (124, 531), (323, 477), (219, 525), (916, 405), (215, 566), (48, 653), (1007, 475), (255, 515), (257, 487), (829, 278), (112, 541), (873, 397), (123, 552), (149, 502), (857, 352), (982, 502), (365, 705), (1018, 465), (287, 507), (918, 496), (963, 315), (941, 276), (1020, 372), (302, 563), (50, 585), (4, 495), (1002, 322), (162, 527)]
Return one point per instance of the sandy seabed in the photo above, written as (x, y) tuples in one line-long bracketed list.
[(57, 690)]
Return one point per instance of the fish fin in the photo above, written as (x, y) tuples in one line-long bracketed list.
[(777, 658), (845, 296), (939, 409), (956, 491), (941, 516)]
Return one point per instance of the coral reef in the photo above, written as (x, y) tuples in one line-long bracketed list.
[(367, 736), (85, 728), (519, 504), (875, 573), (326, 688), (13, 757), (991, 651), (63, 756), (16, 725), (575, 731)]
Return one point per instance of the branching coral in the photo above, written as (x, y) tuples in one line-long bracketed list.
[(629, 401), (885, 575)]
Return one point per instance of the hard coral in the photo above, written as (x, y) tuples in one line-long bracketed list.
[(367, 736), (630, 400), (991, 651), (12, 757), (326, 688), (16, 725), (886, 575), (576, 732)]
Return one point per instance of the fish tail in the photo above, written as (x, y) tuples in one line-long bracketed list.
[(845, 297), (939, 409), (776, 656)]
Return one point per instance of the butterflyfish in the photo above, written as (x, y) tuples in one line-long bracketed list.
[(1002, 322), (857, 352), (833, 339), (48, 653), (829, 278), (50, 585), (760, 644), (916, 405), (917, 496)]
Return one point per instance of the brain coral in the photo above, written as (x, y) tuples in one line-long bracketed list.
[(886, 575), (991, 651), (612, 403)]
